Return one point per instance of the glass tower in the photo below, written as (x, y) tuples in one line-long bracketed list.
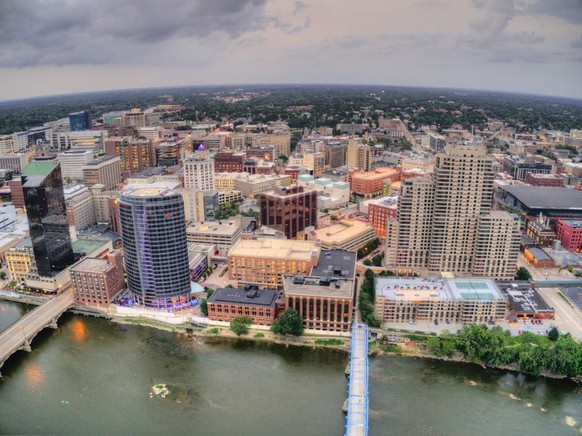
[(80, 121), (153, 232), (44, 199)]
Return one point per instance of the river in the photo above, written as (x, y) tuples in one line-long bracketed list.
[(94, 376)]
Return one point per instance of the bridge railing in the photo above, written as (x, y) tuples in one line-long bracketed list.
[(357, 411)]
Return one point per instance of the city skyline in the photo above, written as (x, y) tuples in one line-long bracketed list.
[(531, 47)]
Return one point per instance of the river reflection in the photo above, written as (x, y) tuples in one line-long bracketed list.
[(94, 376)]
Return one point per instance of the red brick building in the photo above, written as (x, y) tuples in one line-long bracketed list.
[(96, 280), (229, 162), (16, 193), (289, 210), (544, 179), (569, 232), (368, 184), (258, 304), (292, 171), (378, 215)]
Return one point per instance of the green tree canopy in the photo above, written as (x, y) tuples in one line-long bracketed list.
[(240, 325), (289, 323), (523, 274)]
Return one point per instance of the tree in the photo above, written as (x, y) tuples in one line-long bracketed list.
[(2, 275), (289, 323), (240, 325), (523, 274), (204, 304), (554, 334), (283, 158)]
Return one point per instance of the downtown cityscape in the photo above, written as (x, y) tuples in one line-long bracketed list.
[(291, 258)]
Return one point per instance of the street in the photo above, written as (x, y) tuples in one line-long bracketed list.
[(568, 318)]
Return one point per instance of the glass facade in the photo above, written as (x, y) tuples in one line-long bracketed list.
[(42, 185), (153, 232), (80, 121)]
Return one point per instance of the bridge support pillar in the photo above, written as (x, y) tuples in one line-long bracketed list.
[(53, 324), (26, 346)]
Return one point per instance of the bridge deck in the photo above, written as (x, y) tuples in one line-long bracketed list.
[(26, 328), (357, 417)]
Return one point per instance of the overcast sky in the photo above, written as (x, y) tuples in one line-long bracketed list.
[(63, 46)]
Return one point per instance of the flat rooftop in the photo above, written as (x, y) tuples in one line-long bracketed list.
[(92, 264), (344, 230), (253, 297), (577, 224), (146, 191), (274, 248), (539, 254), (524, 299), (39, 168), (89, 245), (317, 287), (542, 197), (334, 263), (419, 289), (228, 228)]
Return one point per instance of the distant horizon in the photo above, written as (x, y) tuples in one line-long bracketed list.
[(291, 84)]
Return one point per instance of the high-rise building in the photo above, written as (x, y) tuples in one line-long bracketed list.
[(80, 121), (72, 162), (359, 155), (199, 171), (496, 245), (444, 221), (135, 154), (289, 210), (153, 233), (44, 198), (105, 171)]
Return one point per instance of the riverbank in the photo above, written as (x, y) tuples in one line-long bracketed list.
[(414, 351), (311, 341)]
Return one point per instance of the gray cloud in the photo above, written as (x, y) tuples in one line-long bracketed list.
[(62, 32), (577, 43), (566, 10)]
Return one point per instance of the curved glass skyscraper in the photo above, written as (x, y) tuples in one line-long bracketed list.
[(153, 233)]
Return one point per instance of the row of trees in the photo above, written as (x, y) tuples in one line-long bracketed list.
[(366, 300), (370, 246), (289, 323), (375, 261), (531, 353)]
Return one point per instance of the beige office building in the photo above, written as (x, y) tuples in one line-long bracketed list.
[(497, 246), (265, 261), (443, 222), (223, 235), (426, 300), (105, 171), (348, 235)]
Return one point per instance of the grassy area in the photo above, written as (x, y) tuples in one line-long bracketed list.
[(259, 335), (328, 342), (390, 348), (213, 331)]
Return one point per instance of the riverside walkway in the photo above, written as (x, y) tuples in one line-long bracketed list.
[(20, 334), (357, 413)]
